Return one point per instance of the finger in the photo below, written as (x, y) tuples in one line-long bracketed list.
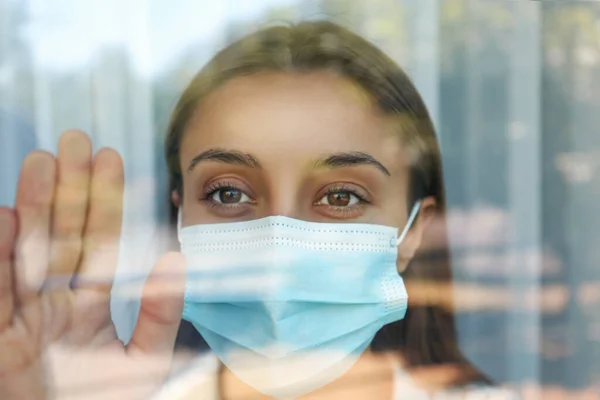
[(8, 232), (70, 204), (35, 193), (104, 218), (162, 305)]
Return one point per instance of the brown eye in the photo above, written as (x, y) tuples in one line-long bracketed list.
[(339, 199), (230, 196)]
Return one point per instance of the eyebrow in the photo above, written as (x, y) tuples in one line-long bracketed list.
[(225, 156), (336, 160), (348, 159)]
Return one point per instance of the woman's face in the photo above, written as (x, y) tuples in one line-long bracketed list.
[(307, 146)]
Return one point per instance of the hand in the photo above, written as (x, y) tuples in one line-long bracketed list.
[(58, 255)]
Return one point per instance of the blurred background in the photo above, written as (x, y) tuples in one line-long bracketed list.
[(513, 88)]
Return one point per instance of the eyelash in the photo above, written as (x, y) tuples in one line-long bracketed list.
[(342, 188), (224, 185), (216, 187)]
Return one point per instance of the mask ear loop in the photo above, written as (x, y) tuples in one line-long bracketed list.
[(411, 219), (179, 225)]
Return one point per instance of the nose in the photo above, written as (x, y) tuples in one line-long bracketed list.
[(284, 206), (283, 200)]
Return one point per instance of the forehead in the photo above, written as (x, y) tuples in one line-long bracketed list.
[(294, 115)]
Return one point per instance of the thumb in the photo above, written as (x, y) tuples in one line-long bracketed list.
[(162, 306)]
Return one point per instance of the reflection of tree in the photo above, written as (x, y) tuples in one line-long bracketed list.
[(475, 50), (571, 100), (571, 21), (385, 22), (570, 121), (344, 12)]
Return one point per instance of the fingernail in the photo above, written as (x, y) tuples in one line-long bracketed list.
[(76, 146), (109, 163), (42, 162)]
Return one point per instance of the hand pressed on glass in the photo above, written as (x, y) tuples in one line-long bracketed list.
[(58, 254)]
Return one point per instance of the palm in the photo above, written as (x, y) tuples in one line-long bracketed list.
[(56, 273)]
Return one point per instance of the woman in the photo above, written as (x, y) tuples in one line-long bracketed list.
[(292, 154)]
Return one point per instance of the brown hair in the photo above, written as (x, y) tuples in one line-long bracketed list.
[(426, 336)]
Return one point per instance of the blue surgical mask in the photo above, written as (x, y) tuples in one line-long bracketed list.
[(288, 305)]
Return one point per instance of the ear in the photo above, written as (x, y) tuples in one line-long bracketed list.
[(175, 198), (414, 237)]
